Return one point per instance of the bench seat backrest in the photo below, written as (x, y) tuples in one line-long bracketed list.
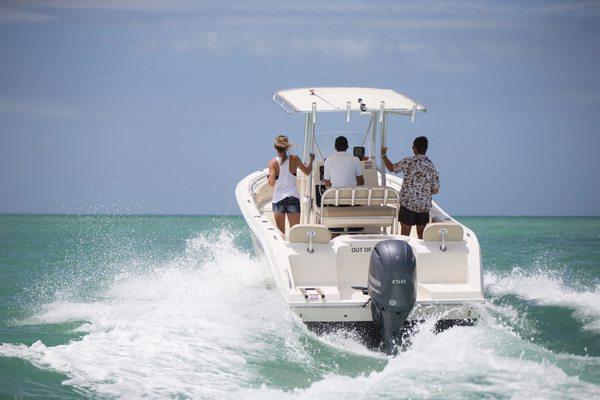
[(361, 196)]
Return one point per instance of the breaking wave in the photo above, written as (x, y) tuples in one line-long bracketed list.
[(546, 288)]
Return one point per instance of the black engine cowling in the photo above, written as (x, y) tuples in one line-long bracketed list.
[(392, 289)]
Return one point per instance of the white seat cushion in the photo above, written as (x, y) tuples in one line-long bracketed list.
[(358, 211)]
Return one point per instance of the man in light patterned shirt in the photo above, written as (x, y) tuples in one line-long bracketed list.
[(421, 180)]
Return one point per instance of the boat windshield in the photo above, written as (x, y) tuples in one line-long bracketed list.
[(325, 142)]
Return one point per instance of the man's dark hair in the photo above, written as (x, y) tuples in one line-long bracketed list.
[(341, 143), (420, 144)]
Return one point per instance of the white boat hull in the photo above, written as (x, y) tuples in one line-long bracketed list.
[(449, 284)]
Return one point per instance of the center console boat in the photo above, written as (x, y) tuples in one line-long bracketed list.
[(364, 273)]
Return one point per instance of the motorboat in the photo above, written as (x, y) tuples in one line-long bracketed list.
[(346, 263)]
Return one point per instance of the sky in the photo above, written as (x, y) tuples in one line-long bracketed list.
[(162, 107)]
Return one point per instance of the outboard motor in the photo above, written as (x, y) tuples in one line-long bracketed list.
[(392, 289)]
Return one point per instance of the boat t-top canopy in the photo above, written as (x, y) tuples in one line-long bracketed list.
[(377, 103), (346, 99)]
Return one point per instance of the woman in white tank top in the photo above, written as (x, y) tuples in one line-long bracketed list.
[(282, 176)]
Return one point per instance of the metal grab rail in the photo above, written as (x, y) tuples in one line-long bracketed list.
[(443, 233), (311, 235)]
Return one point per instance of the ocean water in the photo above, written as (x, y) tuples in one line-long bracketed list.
[(100, 307)]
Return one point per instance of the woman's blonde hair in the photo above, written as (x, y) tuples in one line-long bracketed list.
[(282, 144)]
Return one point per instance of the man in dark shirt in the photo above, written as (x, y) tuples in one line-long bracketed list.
[(421, 180)]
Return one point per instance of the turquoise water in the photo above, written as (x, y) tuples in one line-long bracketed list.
[(180, 307)]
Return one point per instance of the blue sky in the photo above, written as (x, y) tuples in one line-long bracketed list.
[(162, 107)]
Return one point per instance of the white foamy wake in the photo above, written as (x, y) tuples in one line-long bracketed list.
[(547, 289), (484, 361), (206, 326), (186, 329)]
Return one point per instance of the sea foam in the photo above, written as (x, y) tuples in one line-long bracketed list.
[(209, 325), (548, 289), (182, 329)]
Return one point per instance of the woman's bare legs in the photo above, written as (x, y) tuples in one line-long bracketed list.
[(294, 219), (280, 221)]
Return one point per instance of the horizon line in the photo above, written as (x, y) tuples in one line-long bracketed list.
[(240, 215)]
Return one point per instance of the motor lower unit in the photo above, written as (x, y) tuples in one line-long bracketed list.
[(392, 290)]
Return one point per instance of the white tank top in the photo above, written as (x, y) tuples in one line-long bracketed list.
[(285, 185)]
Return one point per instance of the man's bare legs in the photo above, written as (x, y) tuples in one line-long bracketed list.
[(405, 229), (420, 229)]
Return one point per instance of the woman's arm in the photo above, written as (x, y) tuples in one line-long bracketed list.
[(273, 172), (298, 164)]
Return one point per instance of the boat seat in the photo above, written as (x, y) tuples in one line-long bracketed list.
[(373, 207), (366, 211), (455, 232), (299, 234), (359, 216)]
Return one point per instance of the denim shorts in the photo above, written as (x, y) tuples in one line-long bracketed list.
[(289, 205)]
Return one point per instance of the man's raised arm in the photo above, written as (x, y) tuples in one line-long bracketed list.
[(388, 164)]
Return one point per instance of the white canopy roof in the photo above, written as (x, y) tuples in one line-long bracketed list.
[(330, 99)]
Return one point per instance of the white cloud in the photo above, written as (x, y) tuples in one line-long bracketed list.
[(366, 9), (11, 14), (331, 44), (219, 42), (36, 110), (116, 5), (348, 29), (327, 46), (261, 44)]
